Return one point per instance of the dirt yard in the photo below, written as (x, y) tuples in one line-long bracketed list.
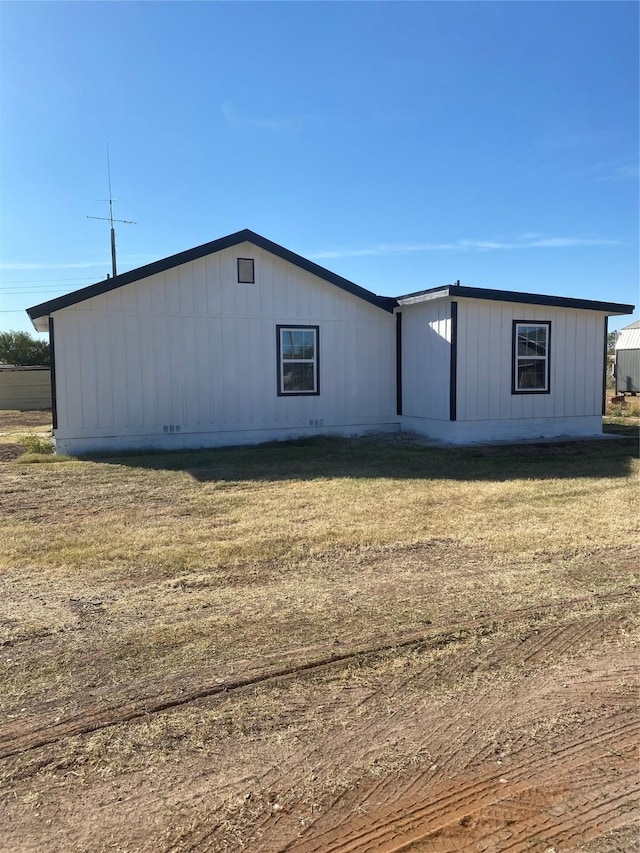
[(324, 646)]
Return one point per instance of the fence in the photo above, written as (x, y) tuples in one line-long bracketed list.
[(25, 388)]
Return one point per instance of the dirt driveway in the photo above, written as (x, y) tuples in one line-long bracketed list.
[(514, 733)]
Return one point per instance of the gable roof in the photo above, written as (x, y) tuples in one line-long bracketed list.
[(244, 236), (629, 337), (457, 290), (387, 303)]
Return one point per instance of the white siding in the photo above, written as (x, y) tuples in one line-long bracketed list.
[(426, 360), (485, 359), (193, 352)]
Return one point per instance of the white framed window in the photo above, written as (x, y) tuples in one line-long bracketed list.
[(531, 357), (298, 360)]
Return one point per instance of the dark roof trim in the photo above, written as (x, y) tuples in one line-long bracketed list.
[(457, 290), (387, 303), (101, 287)]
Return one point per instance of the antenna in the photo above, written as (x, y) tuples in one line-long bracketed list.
[(111, 220)]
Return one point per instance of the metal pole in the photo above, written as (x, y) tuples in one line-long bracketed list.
[(113, 251)]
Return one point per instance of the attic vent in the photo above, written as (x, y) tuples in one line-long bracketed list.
[(245, 271)]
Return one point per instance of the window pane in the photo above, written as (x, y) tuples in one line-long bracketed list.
[(532, 340), (287, 377), (298, 376), (308, 377), (298, 344), (309, 345), (287, 344), (532, 374)]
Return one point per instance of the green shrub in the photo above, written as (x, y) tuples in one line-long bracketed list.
[(39, 444)]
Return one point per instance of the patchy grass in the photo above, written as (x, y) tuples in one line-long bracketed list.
[(623, 406), (128, 577), (227, 554), (12, 420), (12, 433)]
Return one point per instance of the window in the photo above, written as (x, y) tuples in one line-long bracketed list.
[(246, 271), (531, 363), (297, 360)]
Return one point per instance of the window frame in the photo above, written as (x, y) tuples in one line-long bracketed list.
[(546, 324), (286, 327), (253, 271)]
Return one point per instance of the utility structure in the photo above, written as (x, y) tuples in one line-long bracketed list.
[(111, 220)]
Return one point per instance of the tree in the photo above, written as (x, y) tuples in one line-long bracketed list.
[(612, 338), (21, 349)]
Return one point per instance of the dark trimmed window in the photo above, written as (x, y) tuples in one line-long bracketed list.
[(298, 360), (246, 271), (531, 357)]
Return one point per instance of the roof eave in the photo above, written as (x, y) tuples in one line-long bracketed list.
[(44, 309), (40, 323), (461, 291)]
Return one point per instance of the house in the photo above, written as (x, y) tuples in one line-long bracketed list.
[(241, 340), (627, 368)]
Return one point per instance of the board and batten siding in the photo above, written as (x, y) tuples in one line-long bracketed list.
[(485, 364), (473, 400), (426, 360), (187, 357)]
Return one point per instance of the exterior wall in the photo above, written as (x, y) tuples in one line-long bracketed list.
[(426, 361), (627, 371), (485, 407), (187, 357), (484, 376), (524, 429), (25, 388)]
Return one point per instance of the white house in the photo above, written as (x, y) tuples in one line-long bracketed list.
[(241, 341)]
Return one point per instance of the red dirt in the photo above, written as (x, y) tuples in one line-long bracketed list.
[(516, 738)]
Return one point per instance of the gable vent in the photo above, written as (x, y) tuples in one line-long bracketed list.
[(245, 271)]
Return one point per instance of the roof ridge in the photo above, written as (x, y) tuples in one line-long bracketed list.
[(245, 235)]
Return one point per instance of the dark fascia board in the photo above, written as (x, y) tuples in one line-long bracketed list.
[(244, 236), (458, 290)]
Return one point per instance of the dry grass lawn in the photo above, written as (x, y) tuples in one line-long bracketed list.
[(157, 613)]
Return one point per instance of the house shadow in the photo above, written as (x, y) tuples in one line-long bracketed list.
[(317, 458)]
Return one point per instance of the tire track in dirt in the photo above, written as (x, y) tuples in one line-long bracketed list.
[(454, 740), (403, 820), (466, 740), (453, 745), (23, 736)]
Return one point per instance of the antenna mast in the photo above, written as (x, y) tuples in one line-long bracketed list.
[(111, 220)]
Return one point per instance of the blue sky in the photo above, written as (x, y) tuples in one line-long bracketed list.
[(402, 145)]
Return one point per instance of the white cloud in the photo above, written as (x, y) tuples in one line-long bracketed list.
[(535, 242)]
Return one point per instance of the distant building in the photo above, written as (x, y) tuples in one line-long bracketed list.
[(627, 370)]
